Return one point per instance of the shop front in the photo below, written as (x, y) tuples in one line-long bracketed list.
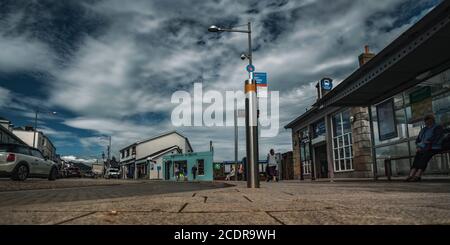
[(398, 120), (180, 167), (406, 81)]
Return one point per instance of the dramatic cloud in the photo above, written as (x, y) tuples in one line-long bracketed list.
[(113, 65), (78, 160)]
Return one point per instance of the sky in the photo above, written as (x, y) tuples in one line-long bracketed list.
[(110, 67)]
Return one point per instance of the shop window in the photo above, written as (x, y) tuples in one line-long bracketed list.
[(305, 155), (342, 142), (201, 167), (319, 129), (387, 125)]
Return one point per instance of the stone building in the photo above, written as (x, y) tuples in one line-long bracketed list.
[(332, 142)]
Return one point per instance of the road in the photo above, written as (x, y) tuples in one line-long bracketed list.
[(70, 190)]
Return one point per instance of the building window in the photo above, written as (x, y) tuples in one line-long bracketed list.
[(387, 125), (319, 129), (134, 150), (201, 167), (122, 153), (305, 154), (342, 142), (128, 152)]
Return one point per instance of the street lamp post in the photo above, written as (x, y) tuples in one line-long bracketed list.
[(251, 114), (37, 111), (108, 147)]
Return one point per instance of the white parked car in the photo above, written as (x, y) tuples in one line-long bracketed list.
[(112, 173), (20, 162)]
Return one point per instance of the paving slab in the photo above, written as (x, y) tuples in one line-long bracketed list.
[(274, 203), (157, 218), (37, 218)]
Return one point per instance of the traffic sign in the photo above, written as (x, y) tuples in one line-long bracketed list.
[(261, 79), (327, 84), (261, 84), (251, 68)]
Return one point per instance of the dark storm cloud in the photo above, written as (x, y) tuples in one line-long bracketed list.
[(114, 64)]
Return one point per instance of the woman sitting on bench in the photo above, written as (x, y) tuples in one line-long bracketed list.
[(428, 144)]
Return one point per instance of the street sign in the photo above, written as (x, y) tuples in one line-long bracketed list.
[(327, 84), (261, 79), (251, 68), (261, 84)]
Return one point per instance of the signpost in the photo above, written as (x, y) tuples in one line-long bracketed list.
[(327, 84), (261, 84), (250, 68)]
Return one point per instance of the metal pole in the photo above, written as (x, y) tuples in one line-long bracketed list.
[(35, 129), (109, 149), (372, 138), (405, 113), (251, 121), (250, 51), (236, 142)]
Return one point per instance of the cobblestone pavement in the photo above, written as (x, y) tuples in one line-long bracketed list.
[(283, 203)]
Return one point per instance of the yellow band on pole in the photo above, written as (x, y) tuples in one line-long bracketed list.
[(250, 88)]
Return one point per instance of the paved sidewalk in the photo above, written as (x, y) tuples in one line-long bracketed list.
[(35, 184), (274, 204)]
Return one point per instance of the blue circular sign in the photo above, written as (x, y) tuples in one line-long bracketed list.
[(327, 84), (251, 68)]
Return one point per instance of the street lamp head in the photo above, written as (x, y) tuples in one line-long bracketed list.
[(214, 29)]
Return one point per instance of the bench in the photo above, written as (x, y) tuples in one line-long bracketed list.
[(388, 162)]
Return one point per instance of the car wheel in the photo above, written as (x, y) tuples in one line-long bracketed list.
[(21, 172), (53, 174)]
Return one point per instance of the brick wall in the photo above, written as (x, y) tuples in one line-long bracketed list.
[(362, 151), (296, 155)]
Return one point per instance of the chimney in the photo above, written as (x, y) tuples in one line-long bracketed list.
[(319, 91), (366, 56)]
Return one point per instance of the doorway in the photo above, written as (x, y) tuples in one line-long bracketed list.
[(167, 167), (321, 161), (182, 167)]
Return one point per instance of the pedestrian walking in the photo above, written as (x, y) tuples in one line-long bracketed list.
[(231, 174), (194, 171), (271, 169), (177, 172)]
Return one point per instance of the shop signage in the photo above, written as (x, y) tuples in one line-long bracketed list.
[(261, 84), (387, 126), (327, 84), (421, 103)]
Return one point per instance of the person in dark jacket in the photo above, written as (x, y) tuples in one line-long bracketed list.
[(194, 171), (429, 143)]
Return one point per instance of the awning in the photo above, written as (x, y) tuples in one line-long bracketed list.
[(420, 52)]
